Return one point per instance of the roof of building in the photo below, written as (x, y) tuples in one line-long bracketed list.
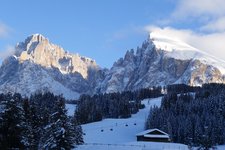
[(146, 133), (156, 136)]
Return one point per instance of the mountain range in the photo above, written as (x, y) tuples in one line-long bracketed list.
[(38, 65)]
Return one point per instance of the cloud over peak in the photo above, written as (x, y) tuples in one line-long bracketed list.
[(217, 25), (199, 8), (210, 43)]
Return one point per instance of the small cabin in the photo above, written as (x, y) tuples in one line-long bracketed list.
[(153, 135)]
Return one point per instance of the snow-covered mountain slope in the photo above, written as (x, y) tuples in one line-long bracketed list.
[(163, 60), (38, 65), (123, 137), (179, 50)]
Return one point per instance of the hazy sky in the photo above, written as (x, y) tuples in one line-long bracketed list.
[(105, 29)]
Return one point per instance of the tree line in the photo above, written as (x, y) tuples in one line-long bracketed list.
[(112, 105)]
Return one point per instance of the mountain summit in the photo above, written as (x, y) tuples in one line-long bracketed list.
[(163, 60), (39, 50), (39, 65), (180, 50)]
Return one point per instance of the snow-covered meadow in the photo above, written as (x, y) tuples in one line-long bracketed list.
[(120, 134)]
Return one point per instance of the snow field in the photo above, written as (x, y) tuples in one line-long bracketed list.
[(120, 134)]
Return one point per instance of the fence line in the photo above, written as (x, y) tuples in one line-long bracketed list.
[(133, 145), (149, 147)]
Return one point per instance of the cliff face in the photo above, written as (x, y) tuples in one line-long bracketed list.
[(39, 65), (39, 50)]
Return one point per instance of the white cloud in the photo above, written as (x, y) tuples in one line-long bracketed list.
[(199, 8), (4, 30), (208, 18), (182, 35), (9, 50), (208, 13), (215, 26), (212, 43)]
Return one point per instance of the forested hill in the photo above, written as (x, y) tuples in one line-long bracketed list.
[(196, 119), (113, 105)]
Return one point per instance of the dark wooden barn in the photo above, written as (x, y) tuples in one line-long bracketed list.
[(153, 135)]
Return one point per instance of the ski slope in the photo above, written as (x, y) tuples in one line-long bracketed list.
[(120, 134)]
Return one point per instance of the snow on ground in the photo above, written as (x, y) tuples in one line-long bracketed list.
[(221, 147), (70, 109), (120, 134), (134, 146)]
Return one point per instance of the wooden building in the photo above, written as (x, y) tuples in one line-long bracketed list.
[(153, 135)]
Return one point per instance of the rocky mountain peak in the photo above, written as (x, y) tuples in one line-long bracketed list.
[(30, 43), (36, 38), (163, 60), (160, 60), (39, 65), (129, 55), (39, 50)]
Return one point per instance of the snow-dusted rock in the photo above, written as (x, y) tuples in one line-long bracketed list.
[(39, 65), (163, 60)]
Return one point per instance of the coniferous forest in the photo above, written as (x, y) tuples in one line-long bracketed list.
[(39, 122), (112, 105), (191, 115), (196, 119)]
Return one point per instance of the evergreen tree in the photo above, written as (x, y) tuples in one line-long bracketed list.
[(60, 133), (12, 123), (32, 132), (196, 119), (78, 131)]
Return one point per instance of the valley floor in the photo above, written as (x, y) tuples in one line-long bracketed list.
[(120, 134)]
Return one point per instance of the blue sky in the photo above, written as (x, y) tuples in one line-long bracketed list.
[(105, 29)]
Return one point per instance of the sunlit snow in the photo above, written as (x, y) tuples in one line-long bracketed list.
[(179, 50), (120, 134)]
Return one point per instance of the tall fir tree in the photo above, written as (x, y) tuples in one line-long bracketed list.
[(60, 133), (12, 123)]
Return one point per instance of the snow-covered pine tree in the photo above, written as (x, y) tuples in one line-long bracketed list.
[(78, 131), (32, 132), (12, 123), (59, 133)]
